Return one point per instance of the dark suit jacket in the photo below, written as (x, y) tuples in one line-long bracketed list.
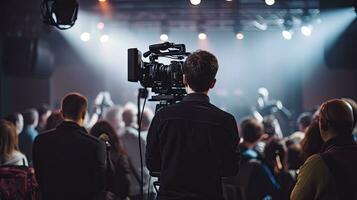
[(69, 163), (193, 144)]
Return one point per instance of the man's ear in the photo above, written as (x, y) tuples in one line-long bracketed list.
[(212, 84), (184, 81)]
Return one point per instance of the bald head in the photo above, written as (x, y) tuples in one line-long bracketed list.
[(336, 118)]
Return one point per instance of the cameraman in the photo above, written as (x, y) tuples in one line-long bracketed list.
[(193, 143)]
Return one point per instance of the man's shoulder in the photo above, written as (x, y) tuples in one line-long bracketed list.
[(56, 133), (185, 107)]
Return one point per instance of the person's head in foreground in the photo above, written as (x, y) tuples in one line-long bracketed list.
[(74, 108), (336, 119), (199, 72)]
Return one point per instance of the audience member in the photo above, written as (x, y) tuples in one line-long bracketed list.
[(114, 116), (275, 157), (252, 132), (312, 143), (255, 180), (147, 116), (43, 113), (9, 150), (129, 139), (331, 174), (54, 120), (354, 107), (118, 183), (29, 133), (17, 119), (304, 121), (70, 164)]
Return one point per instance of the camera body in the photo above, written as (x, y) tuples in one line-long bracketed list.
[(164, 80)]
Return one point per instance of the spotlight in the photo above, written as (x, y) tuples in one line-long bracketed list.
[(100, 26), (61, 14), (288, 27), (104, 38), (306, 30), (164, 37), (101, 0), (240, 36), (202, 36), (195, 2), (85, 37), (270, 2), (287, 34), (228, 0)]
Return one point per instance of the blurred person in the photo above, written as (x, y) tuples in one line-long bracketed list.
[(54, 120), (353, 103), (29, 133), (304, 121), (129, 139), (331, 173), (9, 149), (147, 116), (17, 119), (252, 131), (69, 163), (114, 116), (43, 113), (255, 180), (276, 158), (271, 129), (118, 182), (193, 144), (312, 142)]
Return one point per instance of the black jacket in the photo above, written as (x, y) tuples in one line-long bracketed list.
[(193, 144), (69, 163)]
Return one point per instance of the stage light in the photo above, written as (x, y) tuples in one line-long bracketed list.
[(270, 2), (85, 37), (100, 26), (59, 13), (287, 34), (228, 0), (240, 36), (202, 36), (101, 0), (195, 2), (164, 37), (104, 38), (306, 30)]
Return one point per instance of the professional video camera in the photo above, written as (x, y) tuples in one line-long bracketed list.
[(164, 80)]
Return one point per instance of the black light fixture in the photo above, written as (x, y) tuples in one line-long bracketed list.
[(60, 13)]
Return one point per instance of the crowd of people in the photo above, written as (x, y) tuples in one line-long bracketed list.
[(18, 132), (99, 156)]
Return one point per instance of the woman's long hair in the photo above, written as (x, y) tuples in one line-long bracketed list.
[(103, 127), (8, 139), (312, 142)]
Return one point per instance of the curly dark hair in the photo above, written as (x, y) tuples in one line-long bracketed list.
[(200, 70)]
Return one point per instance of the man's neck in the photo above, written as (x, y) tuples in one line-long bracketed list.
[(78, 122), (191, 91)]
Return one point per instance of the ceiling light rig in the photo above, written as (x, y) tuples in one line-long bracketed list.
[(288, 24), (195, 2), (307, 27)]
